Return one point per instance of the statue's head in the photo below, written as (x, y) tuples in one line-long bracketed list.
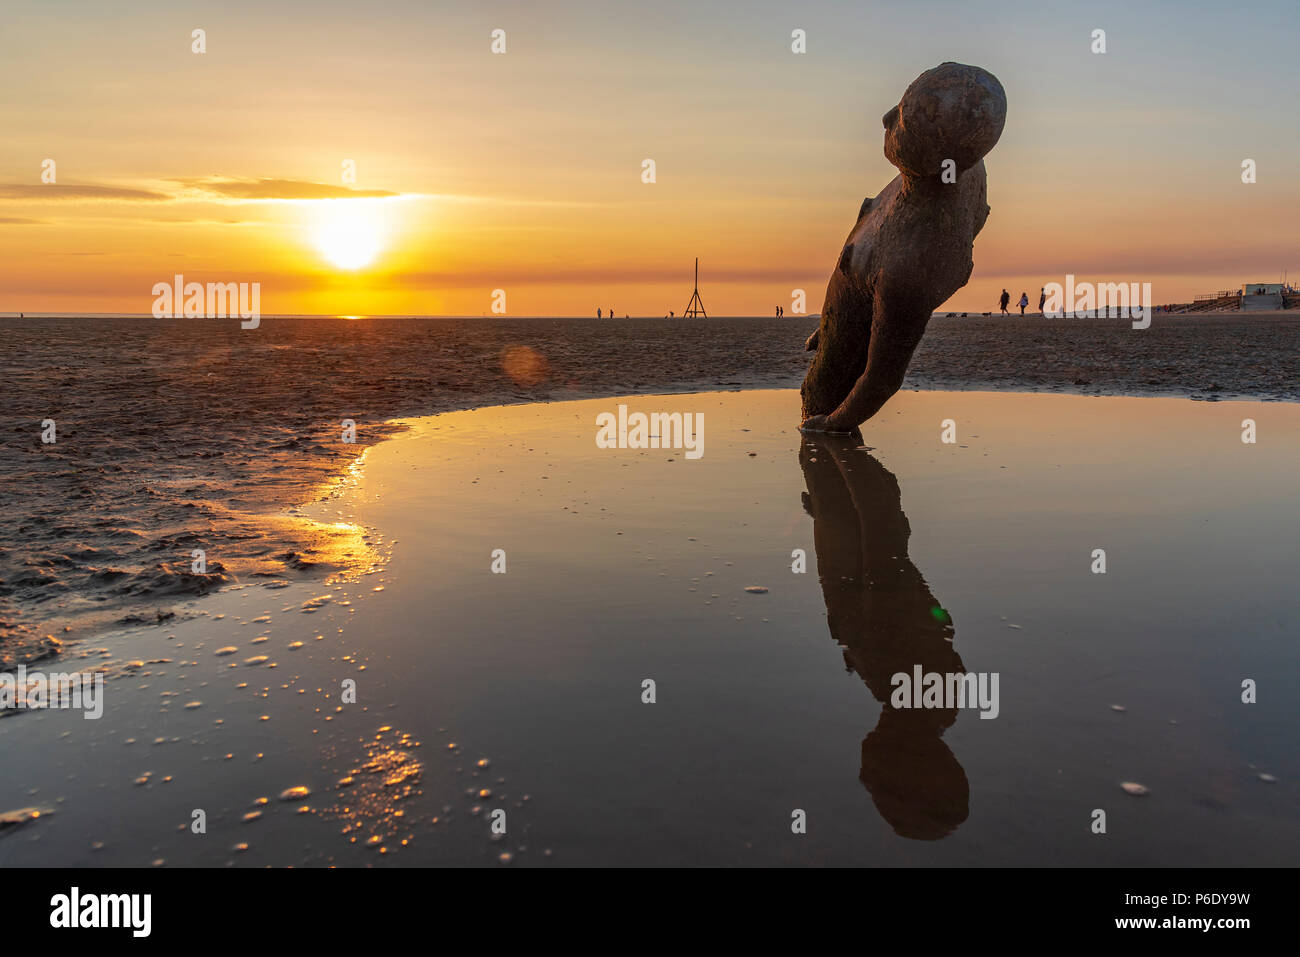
[(952, 112)]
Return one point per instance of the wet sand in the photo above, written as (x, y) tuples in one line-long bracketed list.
[(625, 565), (178, 435)]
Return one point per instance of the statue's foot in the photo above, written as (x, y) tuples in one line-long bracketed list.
[(824, 423)]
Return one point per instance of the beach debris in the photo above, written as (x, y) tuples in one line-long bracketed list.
[(228, 650), (257, 660), (23, 815), (756, 589), (1135, 789), (1118, 707), (1267, 778), (315, 603), (295, 793)]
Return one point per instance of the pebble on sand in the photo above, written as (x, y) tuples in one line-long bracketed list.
[(1132, 787), (294, 793), (756, 589), (228, 650)]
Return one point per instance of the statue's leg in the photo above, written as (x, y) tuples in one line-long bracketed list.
[(843, 343), (897, 333)]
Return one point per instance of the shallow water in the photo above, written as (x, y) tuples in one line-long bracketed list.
[(625, 565), (176, 435)]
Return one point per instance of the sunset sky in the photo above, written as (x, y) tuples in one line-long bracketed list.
[(522, 171)]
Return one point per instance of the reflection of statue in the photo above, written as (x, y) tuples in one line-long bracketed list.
[(910, 249), (881, 611)]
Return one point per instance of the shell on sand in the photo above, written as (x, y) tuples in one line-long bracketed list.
[(1132, 787)]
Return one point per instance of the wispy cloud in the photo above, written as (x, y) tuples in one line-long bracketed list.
[(28, 192), (269, 189), (19, 221)]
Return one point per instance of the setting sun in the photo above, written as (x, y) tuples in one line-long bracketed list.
[(349, 233)]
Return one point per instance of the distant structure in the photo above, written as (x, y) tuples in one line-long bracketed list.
[(695, 308), (1260, 296)]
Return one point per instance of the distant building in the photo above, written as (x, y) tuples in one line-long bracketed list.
[(1262, 289)]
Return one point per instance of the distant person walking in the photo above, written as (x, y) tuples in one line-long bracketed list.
[(1006, 298), (1042, 298), (1024, 301), (598, 313)]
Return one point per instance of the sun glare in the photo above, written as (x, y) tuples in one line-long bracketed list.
[(349, 233)]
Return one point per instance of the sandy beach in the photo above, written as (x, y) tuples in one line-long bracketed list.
[(523, 690)]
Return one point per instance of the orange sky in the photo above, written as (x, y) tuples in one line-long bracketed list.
[(522, 171)]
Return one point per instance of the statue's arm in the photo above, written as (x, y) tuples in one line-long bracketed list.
[(896, 330)]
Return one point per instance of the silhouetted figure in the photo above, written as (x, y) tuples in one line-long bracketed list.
[(1042, 298), (910, 248), (1024, 301), (598, 314), (1006, 298), (881, 611)]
